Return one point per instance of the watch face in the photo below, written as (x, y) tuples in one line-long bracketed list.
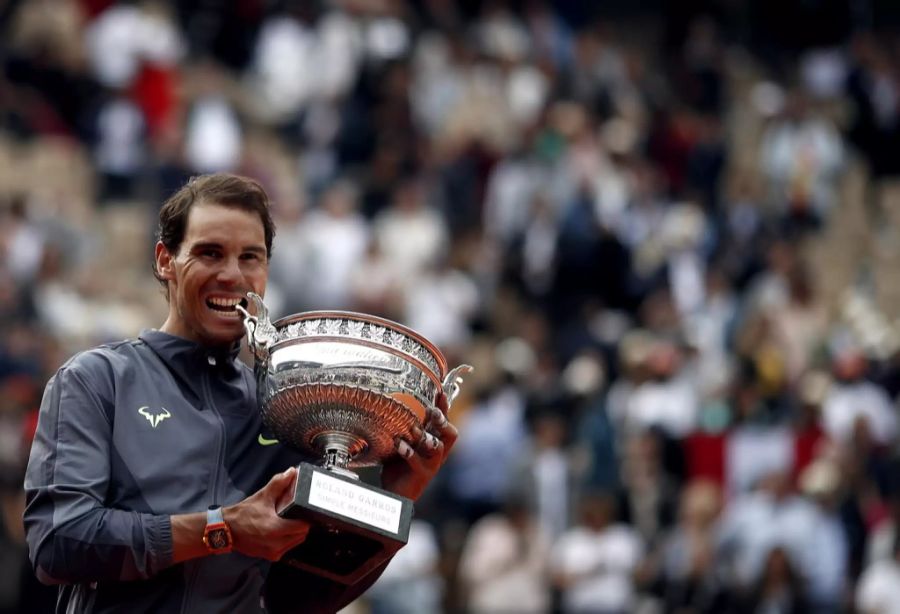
[(218, 539)]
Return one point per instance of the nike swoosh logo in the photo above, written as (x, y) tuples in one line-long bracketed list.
[(266, 442)]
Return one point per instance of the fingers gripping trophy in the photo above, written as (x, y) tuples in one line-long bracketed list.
[(345, 387)]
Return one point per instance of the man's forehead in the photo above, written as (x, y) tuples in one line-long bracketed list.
[(216, 222)]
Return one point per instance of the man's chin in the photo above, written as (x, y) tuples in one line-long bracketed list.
[(224, 334)]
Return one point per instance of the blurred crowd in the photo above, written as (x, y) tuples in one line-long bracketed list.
[(666, 234)]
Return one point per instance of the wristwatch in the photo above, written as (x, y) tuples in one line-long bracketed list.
[(216, 535)]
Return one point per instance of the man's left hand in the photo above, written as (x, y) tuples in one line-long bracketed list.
[(416, 463)]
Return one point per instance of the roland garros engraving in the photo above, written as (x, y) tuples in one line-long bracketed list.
[(360, 504)]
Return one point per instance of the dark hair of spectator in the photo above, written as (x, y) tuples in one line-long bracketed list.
[(220, 189)]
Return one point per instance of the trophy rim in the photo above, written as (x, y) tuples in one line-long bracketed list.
[(364, 317), (364, 342)]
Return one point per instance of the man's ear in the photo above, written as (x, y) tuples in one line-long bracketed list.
[(165, 262)]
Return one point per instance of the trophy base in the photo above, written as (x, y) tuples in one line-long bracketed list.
[(354, 527)]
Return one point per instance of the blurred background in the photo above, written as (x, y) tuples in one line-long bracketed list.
[(665, 233)]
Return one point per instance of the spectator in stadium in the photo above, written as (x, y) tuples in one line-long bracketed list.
[(780, 588), (879, 586), (503, 566), (593, 564), (854, 402), (687, 576)]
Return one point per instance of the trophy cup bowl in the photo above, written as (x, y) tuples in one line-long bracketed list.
[(343, 387)]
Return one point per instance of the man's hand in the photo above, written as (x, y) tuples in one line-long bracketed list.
[(256, 527), (418, 462)]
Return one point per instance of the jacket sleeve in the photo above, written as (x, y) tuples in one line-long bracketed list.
[(72, 536)]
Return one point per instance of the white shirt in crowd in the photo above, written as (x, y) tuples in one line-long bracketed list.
[(670, 405), (411, 583), (878, 591), (604, 561), (503, 568), (812, 538), (213, 135), (440, 304), (336, 247), (848, 403), (410, 240)]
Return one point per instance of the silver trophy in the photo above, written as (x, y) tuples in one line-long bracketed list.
[(343, 387)]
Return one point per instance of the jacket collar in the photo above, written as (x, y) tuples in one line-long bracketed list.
[(181, 353)]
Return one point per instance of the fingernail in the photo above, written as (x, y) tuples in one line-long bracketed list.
[(404, 449), (431, 441)]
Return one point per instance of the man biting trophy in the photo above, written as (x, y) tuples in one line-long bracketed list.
[(166, 475)]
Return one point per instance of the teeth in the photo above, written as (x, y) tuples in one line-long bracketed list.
[(225, 302), (228, 314), (224, 307)]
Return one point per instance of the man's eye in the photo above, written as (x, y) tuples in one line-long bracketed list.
[(210, 253)]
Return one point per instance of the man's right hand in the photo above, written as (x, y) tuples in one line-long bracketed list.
[(256, 528)]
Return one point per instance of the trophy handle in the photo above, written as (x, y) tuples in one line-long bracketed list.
[(260, 332), (453, 380)]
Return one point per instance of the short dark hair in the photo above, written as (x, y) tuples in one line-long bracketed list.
[(220, 189)]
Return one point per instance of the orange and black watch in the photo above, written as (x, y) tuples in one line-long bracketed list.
[(216, 535)]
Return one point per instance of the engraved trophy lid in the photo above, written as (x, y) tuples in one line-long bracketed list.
[(378, 327)]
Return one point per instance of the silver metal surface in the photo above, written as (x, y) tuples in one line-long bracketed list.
[(344, 386)]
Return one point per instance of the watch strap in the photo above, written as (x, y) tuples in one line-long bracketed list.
[(214, 515)]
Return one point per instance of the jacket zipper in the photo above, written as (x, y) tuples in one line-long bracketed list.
[(217, 468), (220, 453)]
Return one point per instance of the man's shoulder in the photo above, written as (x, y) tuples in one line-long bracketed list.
[(101, 359)]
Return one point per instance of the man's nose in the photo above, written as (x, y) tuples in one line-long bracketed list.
[(230, 271)]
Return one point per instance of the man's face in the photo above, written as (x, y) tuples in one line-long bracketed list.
[(222, 257)]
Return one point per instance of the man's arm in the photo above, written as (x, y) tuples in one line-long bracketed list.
[(255, 526), (71, 536)]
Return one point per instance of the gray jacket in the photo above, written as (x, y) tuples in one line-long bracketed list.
[(129, 434)]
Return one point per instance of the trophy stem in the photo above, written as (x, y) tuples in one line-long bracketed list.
[(336, 457), (338, 446)]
